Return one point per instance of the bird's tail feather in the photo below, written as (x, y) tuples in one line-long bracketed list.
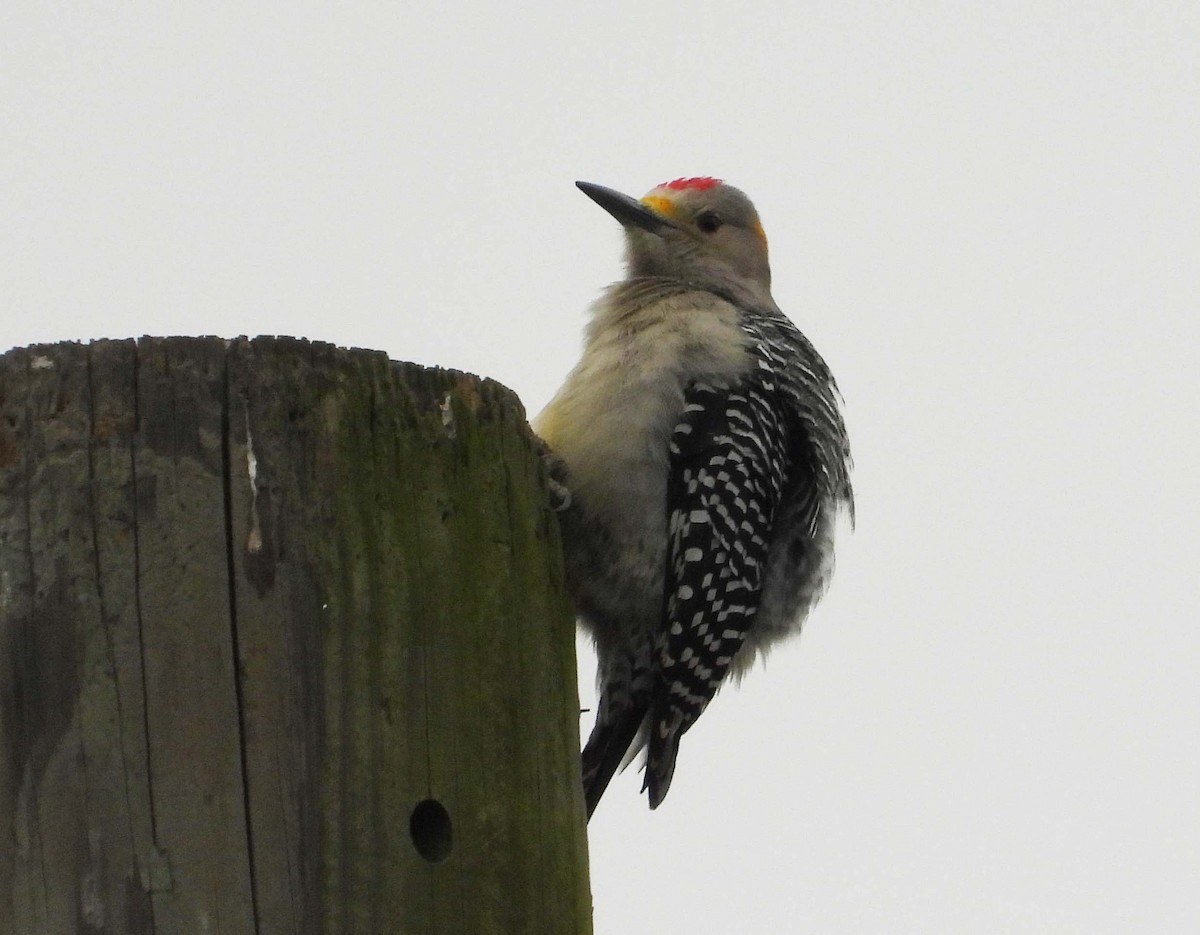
[(605, 751)]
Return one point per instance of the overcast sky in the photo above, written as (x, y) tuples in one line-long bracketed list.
[(985, 216)]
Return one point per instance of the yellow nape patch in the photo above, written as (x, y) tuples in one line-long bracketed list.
[(762, 234), (664, 206), (547, 425)]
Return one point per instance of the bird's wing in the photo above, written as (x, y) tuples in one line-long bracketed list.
[(728, 470)]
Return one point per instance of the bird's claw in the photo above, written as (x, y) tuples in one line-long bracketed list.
[(556, 472)]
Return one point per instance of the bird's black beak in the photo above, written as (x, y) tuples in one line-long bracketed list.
[(629, 212)]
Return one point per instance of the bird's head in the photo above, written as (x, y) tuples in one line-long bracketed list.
[(698, 230)]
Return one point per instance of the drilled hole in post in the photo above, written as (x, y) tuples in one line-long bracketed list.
[(431, 832)]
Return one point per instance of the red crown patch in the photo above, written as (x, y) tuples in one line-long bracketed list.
[(700, 183)]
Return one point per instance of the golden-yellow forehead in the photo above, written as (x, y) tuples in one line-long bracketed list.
[(662, 205)]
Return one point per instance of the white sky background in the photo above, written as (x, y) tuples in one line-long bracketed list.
[(985, 216)]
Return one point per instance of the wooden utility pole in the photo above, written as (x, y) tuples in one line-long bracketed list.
[(284, 647)]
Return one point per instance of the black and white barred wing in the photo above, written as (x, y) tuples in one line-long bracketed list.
[(728, 462)]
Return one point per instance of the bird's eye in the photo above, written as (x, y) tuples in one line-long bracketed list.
[(708, 222)]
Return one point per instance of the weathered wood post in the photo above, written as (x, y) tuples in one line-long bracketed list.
[(284, 647)]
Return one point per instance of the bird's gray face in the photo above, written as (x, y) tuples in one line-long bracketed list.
[(700, 231)]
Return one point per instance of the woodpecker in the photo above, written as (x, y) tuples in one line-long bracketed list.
[(705, 459)]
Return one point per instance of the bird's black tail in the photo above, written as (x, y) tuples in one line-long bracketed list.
[(606, 748)]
